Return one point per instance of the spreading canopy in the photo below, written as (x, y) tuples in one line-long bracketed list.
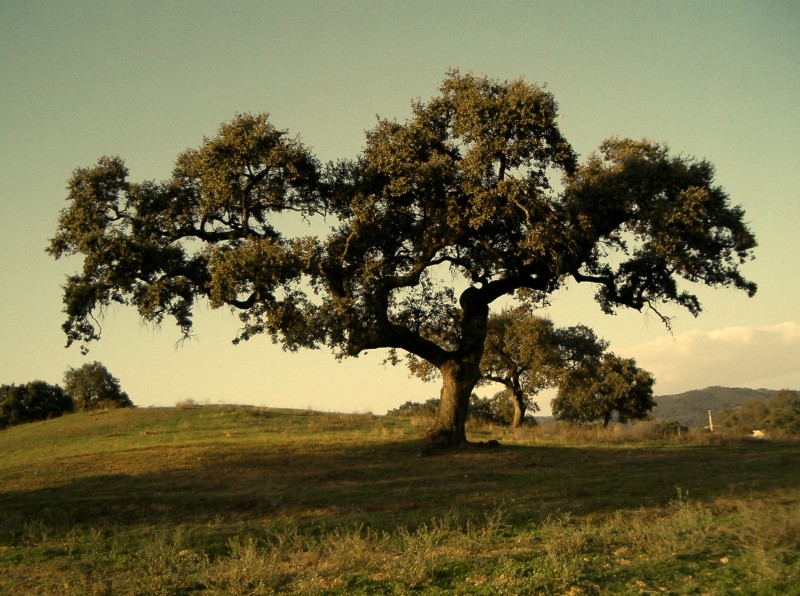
[(206, 232), (438, 217)]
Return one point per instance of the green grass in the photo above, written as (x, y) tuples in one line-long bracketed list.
[(234, 500)]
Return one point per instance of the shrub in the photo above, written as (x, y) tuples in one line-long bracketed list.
[(413, 408), (670, 428)]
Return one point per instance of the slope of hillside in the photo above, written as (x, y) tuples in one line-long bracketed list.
[(242, 500), (691, 407)]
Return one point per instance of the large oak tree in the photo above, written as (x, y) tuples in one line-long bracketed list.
[(474, 197)]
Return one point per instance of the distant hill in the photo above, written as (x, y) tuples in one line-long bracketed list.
[(691, 407)]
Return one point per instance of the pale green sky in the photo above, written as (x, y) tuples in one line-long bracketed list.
[(145, 80)]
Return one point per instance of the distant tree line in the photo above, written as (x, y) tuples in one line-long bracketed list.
[(89, 387), (691, 407), (497, 409), (778, 415), (32, 401)]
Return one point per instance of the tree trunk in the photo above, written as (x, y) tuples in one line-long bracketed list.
[(518, 398), (458, 380), (461, 372)]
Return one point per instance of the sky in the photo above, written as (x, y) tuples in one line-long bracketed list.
[(717, 80)]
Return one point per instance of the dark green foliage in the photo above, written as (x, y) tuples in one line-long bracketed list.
[(92, 387), (490, 410), (33, 401), (780, 414), (598, 390)]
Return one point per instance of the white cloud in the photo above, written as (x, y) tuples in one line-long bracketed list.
[(765, 356)]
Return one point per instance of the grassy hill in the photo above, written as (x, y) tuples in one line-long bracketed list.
[(691, 407), (236, 500)]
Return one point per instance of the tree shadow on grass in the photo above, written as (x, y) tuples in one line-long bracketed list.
[(385, 485)]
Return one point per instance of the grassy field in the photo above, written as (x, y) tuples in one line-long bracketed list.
[(236, 500)]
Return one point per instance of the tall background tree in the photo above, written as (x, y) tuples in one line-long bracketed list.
[(438, 217)]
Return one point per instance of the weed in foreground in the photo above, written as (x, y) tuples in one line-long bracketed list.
[(683, 548)]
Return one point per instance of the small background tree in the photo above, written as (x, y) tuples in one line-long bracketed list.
[(91, 387), (33, 401), (527, 354), (595, 391)]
